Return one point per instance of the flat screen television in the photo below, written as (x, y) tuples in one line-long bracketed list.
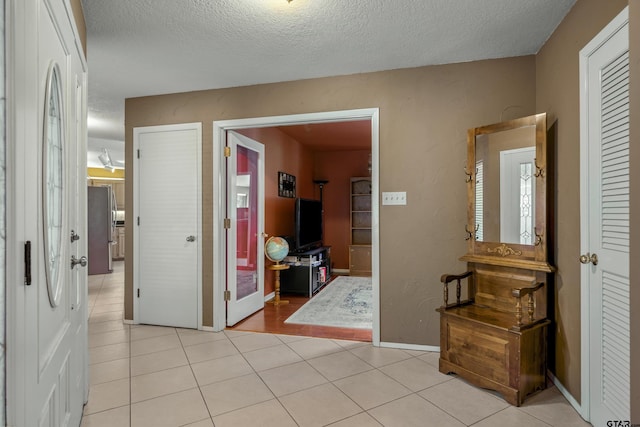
[(308, 224)]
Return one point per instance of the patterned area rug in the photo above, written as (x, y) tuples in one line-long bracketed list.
[(346, 302)]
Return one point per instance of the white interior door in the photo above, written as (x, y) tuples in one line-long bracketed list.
[(167, 235), (47, 345), (605, 222), (245, 241)]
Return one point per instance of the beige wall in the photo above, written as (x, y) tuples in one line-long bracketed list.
[(424, 115), (78, 14), (557, 93)]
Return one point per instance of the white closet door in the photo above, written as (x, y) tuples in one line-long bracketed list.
[(605, 245), (167, 224)]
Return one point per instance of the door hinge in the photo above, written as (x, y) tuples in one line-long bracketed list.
[(227, 223), (27, 263), (138, 292), (138, 153), (227, 295), (138, 220), (227, 151)]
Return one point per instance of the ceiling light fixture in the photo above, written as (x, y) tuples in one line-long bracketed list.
[(105, 158)]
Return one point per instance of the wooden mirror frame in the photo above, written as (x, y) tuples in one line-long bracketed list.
[(502, 253)]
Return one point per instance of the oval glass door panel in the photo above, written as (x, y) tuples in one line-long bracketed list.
[(53, 184)]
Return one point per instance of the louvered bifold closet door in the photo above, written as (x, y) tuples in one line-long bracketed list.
[(614, 237)]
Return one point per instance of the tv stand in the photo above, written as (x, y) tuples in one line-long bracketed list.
[(308, 271)]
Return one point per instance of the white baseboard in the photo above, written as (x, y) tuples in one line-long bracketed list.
[(128, 322), (207, 328), (403, 346), (340, 271), (269, 297), (572, 401)]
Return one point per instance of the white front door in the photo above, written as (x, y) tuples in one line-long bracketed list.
[(605, 222), (245, 241), (46, 290), (167, 215), (517, 195)]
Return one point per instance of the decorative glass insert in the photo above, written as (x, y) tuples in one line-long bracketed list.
[(53, 185), (526, 203)]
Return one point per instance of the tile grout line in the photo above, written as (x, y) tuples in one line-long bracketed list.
[(184, 351)]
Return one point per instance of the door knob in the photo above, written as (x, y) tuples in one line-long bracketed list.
[(74, 236), (589, 258), (75, 261), (191, 238)]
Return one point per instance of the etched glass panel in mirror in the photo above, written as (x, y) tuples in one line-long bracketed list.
[(505, 186), (53, 185)]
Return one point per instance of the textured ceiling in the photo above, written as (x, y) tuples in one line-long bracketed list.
[(149, 47)]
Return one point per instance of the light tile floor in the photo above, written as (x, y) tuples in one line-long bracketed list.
[(159, 376)]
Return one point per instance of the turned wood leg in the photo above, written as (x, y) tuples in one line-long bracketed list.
[(530, 307), (519, 311), (446, 295), (276, 274)]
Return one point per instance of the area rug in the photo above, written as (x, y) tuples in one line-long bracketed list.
[(346, 302)]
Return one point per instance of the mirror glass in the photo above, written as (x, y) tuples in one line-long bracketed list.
[(505, 186), (53, 185)]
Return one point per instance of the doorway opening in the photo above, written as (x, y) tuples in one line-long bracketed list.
[(220, 129)]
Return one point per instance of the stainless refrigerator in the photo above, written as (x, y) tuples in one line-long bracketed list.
[(101, 227)]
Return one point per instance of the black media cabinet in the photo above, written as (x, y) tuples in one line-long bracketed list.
[(308, 271)]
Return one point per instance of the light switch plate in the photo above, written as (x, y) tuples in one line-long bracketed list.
[(394, 197)]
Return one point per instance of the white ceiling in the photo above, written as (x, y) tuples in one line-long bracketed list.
[(150, 47)]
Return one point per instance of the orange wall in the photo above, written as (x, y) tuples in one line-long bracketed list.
[(282, 154), (338, 167)]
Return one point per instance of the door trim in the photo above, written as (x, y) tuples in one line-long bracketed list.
[(585, 336), (136, 210), (219, 135)]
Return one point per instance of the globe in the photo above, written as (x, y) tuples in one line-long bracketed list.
[(276, 249)]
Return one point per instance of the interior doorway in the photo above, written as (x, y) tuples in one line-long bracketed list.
[(219, 140)]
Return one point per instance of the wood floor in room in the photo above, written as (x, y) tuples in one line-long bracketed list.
[(271, 319)]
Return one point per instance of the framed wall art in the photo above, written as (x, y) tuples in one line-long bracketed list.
[(286, 185)]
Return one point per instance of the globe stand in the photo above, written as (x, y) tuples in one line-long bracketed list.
[(277, 268)]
